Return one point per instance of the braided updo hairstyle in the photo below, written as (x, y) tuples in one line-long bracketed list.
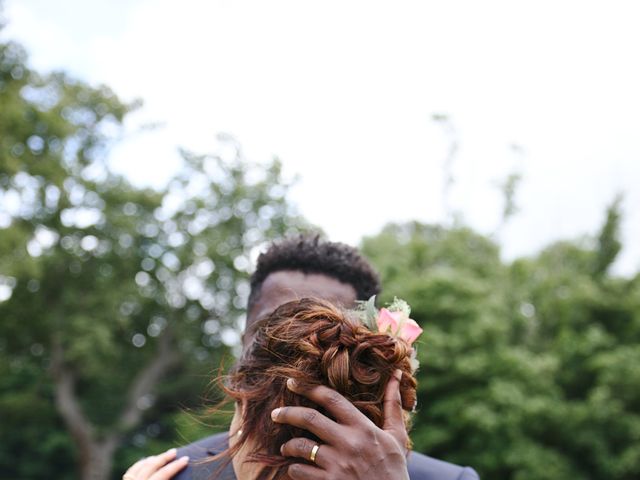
[(314, 343)]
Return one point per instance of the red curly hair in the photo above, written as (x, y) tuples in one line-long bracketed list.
[(314, 343)]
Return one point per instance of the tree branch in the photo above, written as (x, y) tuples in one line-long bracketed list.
[(66, 401), (147, 379)]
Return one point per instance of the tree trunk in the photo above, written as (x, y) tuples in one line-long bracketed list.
[(96, 460), (96, 454)]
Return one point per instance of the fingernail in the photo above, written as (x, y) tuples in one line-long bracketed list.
[(281, 449), (172, 451), (398, 374), (184, 459), (291, 384), (274, 414)]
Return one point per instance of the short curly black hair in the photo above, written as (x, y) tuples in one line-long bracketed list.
[(309, 253)]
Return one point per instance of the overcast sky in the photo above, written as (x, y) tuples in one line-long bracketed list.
[(343, 92)]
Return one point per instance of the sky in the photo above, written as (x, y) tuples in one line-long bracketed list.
[(344, 94)]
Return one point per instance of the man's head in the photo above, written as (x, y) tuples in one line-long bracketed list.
[(307, 266)]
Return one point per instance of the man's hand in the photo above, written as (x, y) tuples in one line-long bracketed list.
[(353, 447)]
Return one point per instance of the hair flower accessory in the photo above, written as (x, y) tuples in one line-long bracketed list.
[(393, 320)]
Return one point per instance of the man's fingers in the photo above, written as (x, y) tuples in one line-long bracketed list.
[(303, 448), (152, 464), (298, 447), (341, 408), (307, 419), (169, 470), (393, 413), (299, 471)]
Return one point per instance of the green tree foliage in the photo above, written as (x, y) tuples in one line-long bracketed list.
[(531, 370), (117, 302), (609, 244)]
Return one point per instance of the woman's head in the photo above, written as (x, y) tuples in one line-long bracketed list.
[(312, 342)]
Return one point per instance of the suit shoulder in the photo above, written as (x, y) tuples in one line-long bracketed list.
[(198, 452), (205, 447), (422, 467)]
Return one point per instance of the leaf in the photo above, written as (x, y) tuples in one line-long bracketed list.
[(371, 314)]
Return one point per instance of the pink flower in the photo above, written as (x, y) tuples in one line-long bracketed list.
[(410, 330), (398, 324), (388, 321)]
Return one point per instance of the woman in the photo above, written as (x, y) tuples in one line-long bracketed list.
[(307, 343)]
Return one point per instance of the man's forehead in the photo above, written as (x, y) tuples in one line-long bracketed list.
[(287, 285), (293, 280)]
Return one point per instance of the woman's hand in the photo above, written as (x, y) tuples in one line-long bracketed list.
[(158, 467), (353, 447)]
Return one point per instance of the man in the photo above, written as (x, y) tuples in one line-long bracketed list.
[(352, 448)]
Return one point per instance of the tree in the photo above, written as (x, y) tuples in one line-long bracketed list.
[(530, 370), (609, 244), (117, 301)]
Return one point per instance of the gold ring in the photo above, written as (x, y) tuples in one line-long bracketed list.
[(314, 452)]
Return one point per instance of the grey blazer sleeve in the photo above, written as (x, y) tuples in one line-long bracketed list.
[(468, 474), (422, 467)]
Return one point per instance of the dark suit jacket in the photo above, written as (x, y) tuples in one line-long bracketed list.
[(421, 467)]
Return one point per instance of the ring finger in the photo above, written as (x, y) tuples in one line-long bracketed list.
[(303, 448)]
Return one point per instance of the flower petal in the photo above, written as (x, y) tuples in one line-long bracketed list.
[(387, 321), (410, 331)]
